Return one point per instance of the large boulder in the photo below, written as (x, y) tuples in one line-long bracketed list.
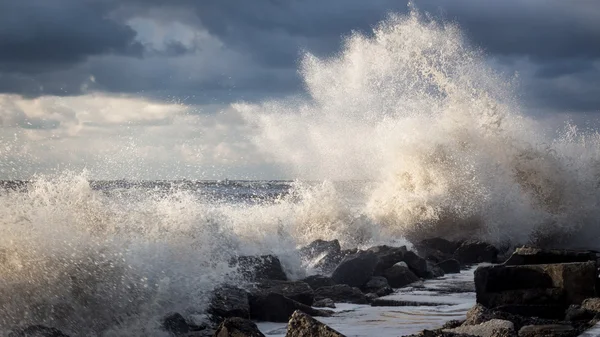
[(388, 256), (274, 307), (400, 275), (375, 284), (259, 267), (529, 255), (229, 301), (324, 303), (471, 252), (552, 330), (451, 266), (439, 244), (355, 270), (296, 290), (37, 331), (433, 271), (302, 325), (417, 264), (318, 281), (238, 327), (592, 304), (491, 328), (175, 324), (341, 293), (322, 255), (545, 284)]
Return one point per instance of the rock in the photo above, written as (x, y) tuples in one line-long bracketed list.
[(355, 270), (529, 255), (388, 256), (451, 266), (37, 331), (439, 333), (490, 328), (323, 255), (274, 307), (297, 290), (479, 314), (439, 244), (318, 281), (416, 264), (399, 276), (175, 324), (378, 285), (544, 284), (229, 301), (433, 270), (302, 325), (552, 330), (384, 291), (470, 252), (324, 303), (200, 322), (238, 327), (591, 304), (371, 297), (577, 313), (549, 311), (341, 293), (259, 267), (452, 324)]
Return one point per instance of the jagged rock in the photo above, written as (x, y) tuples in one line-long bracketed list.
[(451, 266), (323, 255), (592, 304), (399, 276), (490, 328), (552, 330), (416, 264), (37, 331), (355, 270), (274, 307), (452, 324), (229, 301), (341, 293), (388, 256), (577, 313), (324, 303), (302, 325), (470, 252), (296, 290), (318, 281), (442, 245), (433, 271), (238, 327), (479, 314), (544, 284), (259, 267), (176, 324), (529, 255)]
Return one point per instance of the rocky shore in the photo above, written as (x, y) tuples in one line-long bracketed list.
[(532, 293)]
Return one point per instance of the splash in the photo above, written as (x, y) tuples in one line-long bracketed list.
[(418, 110)]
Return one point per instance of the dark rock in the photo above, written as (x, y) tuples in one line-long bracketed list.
[(355, 270), (552, 330), (296, 290), (529, 255), (384, 302), (434, 271), (175, 324), (592, 304), (260, 267), (302, 325), (452, 324), (388, 256), (201, 322), (439, 244), (318, 281), (439, 333), (323, 255), (549, 311), (450, 266), (324, 303), (416, 264), (470, 252), (494, 327), (371, 297), (229, 301), (545, 284), (384, 291), (577, 313), (341, 293), (375, 283), (399, 276), (278, 308), (37, 331), (238, 327)]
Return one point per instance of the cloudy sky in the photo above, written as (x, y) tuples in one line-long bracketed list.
[(142, 88)]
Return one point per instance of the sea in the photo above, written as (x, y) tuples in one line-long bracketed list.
[(408, 133)]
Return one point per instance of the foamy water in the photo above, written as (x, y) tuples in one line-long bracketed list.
[(433, 141)]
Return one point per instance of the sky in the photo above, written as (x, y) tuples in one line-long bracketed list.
[(143, 89)]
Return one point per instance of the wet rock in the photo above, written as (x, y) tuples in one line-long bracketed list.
[(37, 331), (452, 324), (529, 255), (592, 304), (433, 271), (302, 325), (355, 270), (471, 252), (323, 255), (341, 293), (274, 307), (175, 324), (439, 333), (318, 281), (399, 276), (439, 244), (296, 290), (229, 301), (553, 330), (388, 256), (416, 264), (371, 297), (324, 303), (259, 267), (544, 284), (577, 313), (549, 311), (451, 266), (238, 327), (375, 283), (201, 322), (490, 328)]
